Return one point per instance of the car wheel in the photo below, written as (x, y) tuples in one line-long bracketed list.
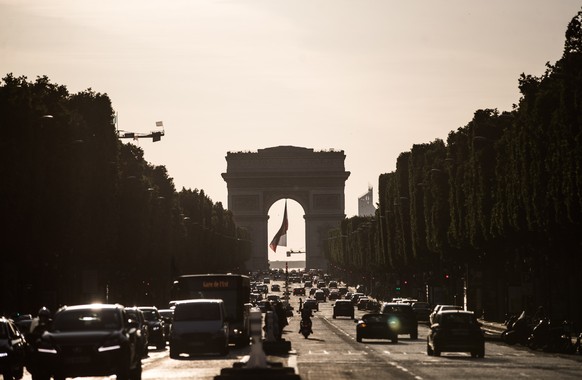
[(161, 346), (414, 335), (429, 350), (395, 339), (437, 352), (358, 338), (173, 353), (334, 316)]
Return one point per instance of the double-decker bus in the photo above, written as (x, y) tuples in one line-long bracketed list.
[(233, 289)]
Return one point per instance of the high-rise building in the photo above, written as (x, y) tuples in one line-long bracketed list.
[(366, 203)]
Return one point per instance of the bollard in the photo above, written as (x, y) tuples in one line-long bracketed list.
[(257, 357)]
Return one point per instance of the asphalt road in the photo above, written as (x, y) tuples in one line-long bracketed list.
[(332, 353)]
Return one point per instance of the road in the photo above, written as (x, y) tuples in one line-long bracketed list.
[(332, 353)]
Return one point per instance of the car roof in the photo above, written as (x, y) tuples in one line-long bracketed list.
[(92, 306), (199, 300), (456, 312)]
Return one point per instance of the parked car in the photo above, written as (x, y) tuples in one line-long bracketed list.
[(200, 325), (404, 315), (376, 326), (275, 288), (12, 350), (422, 310), (437, 308), (90, 340), (343, 308), (155, 325), (456, 331), (142, 332)]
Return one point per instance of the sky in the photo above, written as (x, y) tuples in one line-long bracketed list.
[(369, 77)]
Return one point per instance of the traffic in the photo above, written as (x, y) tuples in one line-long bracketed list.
[(192, 339)]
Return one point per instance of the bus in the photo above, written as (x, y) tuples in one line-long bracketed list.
[(233, 289)]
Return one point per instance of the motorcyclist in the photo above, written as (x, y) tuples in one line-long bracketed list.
[(38, 326), (306, 314)]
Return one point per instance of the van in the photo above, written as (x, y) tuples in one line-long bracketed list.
[(199, 326)]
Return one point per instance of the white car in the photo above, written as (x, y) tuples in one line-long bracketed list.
[(438, 308)]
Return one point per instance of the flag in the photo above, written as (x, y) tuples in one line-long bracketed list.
[(281, 235)]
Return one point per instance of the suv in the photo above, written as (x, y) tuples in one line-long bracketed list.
[(343, 308), (155, 325), (90, 340), (12, 350), (406, 316)]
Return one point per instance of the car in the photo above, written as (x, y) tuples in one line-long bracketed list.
[(168, 316), (312, 291), (273, 298), (155, 325), (422, 310), (12, 350), (307, 284), (334, 294), (298, 291), (200, 325), (343, 308), (362, 303), (437, 308), (311, 303), (355, 297), (376, 326), (343, 290), (404, 314), (136, 315), (332, 284), (275, 288), (319, 295), (90, 340), (456, 331)]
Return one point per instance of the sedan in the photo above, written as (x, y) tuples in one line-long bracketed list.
[(456, 331), (376, 326), (12, 350)]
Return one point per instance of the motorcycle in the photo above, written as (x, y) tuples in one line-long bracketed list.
[(305, 327), (550, 338), (518, 331)]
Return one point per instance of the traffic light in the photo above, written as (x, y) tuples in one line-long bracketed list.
[(447, 276)]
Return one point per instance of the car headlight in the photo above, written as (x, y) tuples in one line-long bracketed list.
[(155, 328), (3, 354)]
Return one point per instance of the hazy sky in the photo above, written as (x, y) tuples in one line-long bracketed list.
[(368, 77)]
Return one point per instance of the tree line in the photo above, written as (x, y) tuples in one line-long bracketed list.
[(496, 208), (85, 218)]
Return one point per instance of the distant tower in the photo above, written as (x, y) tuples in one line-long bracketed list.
[(366, 203)]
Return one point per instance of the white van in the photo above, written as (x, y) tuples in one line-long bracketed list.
[(199, 326)]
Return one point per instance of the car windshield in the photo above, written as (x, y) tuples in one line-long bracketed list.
[(197, 312), (87, 320), (396, 308), (375, 319), (457, 320), (150, 315)]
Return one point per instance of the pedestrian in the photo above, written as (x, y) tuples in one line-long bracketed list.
[(300, 304)]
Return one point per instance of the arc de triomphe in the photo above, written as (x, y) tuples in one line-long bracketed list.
[(316, 180)]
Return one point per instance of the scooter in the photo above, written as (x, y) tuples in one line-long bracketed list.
[(517, 331), (549, 338)]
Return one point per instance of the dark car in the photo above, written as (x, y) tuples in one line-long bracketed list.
[(311, 303), (91, 340), (137, 316), (298, 291), (376, 326), (343, 308), (362, 303), (405, 317), (155, 325), (275, 288), (12, 350), (422, 310), (456, 331)]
